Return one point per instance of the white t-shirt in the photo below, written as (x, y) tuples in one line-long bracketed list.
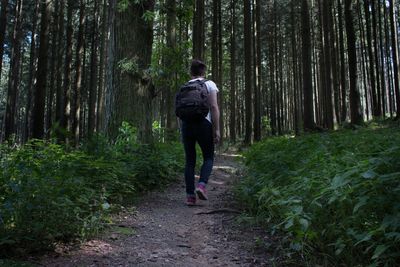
[(211, 86)]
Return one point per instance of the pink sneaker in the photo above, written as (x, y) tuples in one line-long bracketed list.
[(201, 191), (191, 200)]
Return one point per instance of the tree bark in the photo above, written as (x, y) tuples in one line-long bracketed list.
[(343, 112), (355, 112), (67, 94), (93, 74), (232, 124), (327, 20), (248, 70), (375, 105), (105, 28), (32, 73), (14, 76), (3, 27), (198, 30), (60, 51), (41, 84), (77, 93), (258, 74), (129, 89), (395, 56), (376, 57), (308, 121), (171, 124)]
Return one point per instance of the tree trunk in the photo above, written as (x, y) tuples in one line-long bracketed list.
[(248, 70), (343, 112), (232, 124), (67, 94), (93, 73), (382, 61), (375, 105), (105, 27), (14, 76), (308, 120), (355, 113), (220, 75), (376, 57), (198, 30), (395, 55), (3, 27), (60, 51), (76, 103), (294, 67), (32, 73), (327, 20), (53, 62), (171, 80), (40, 90), (129, 89), (257, 69)]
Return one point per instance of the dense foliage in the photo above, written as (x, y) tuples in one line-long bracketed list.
[(50, 194), (335, 196)]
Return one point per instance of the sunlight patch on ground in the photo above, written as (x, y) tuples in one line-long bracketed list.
[(216, 182), (229, 169), (94, 247), (232, 155)]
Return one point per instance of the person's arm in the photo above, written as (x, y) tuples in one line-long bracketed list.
[(213, 101)]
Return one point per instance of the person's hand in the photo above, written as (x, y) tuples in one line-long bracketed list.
[(217, 136)]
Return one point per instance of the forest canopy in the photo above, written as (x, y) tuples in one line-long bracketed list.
[(70, 69)]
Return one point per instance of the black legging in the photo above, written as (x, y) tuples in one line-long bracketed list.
[(200, 132)]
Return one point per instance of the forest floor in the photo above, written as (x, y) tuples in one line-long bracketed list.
[(162, 231)]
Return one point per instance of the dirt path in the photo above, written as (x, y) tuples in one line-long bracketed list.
[(163, 231)]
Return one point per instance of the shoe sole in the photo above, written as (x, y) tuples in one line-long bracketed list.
[(191, 204), (201, 195)]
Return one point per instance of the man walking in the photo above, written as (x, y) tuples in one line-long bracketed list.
[(197, 107)]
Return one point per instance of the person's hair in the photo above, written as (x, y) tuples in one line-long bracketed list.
[(198, 68)]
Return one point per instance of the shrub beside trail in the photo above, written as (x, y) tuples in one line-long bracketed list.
[(334, 196), (50, 194)]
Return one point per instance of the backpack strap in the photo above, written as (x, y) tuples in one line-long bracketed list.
[(199, 81)]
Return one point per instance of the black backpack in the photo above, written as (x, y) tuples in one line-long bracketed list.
[(191, 102)]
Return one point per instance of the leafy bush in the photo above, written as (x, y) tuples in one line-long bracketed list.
[(335, 196), (50, 194)]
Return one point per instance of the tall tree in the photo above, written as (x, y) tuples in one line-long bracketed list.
[(375, 106), (257, 70), (232, 124), (308, 121), (395, 55), (3, 27), (14, 76), (376, 57), (40, 89), (199, 30), (76, 104), (32, 73), (129, 88), (93, 72), (327, 68), (343, 111), (170, 62), (67, 94), (59, 73), (355, 113), (248, 69), (103, 52)]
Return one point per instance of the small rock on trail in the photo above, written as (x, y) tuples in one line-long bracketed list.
[(165, 232)]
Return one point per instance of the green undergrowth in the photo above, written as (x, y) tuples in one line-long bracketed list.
[(334, 197), (50, 194)]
